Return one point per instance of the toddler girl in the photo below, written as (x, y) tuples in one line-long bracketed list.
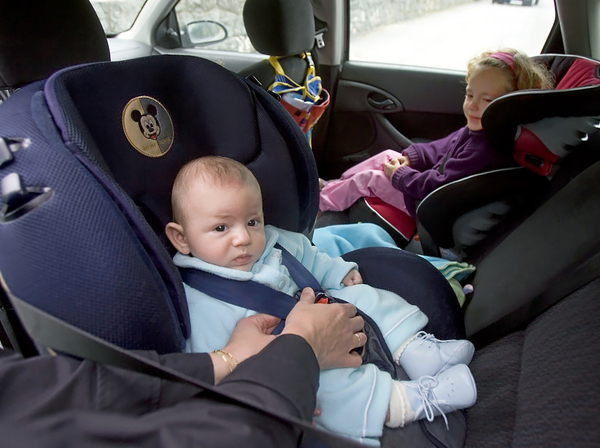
[(423, 167)]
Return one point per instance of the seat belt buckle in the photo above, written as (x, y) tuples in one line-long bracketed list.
[(319, 41), (321, 297)]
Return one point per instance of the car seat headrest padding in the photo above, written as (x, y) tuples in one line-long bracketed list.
[(280, 27), (582, 72), (541, 144), (546, 124), (39, 38), (219, 116)]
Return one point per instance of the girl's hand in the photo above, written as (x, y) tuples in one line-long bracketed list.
[(352, 278), (403, 160), (391, 166)]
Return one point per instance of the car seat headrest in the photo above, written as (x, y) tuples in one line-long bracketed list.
[(280, 27), (157, 118), (39, 38), (540, 127)]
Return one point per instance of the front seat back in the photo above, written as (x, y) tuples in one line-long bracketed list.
[(281, 28), (39, 38), (285, 30)]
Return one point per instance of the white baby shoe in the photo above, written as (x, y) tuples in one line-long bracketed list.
[(451, 390), (425, 355)]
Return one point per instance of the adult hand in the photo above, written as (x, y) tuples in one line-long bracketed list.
[(352, 278), (249, 337), (333, 330)]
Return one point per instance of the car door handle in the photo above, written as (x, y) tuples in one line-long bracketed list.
[(377, 101)]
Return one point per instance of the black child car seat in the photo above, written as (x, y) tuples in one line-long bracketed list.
[(538, 128)]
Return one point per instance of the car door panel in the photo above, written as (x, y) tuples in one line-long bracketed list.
[(378, 106)]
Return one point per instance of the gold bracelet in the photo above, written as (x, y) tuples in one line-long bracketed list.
[(230, 355), (222, 355)]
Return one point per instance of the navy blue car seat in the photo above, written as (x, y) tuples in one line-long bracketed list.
[(87, 194), (79, 236)]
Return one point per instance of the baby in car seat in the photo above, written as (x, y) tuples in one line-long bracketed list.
[(218, 227)]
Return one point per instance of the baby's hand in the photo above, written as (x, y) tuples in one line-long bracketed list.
[(352, 278)]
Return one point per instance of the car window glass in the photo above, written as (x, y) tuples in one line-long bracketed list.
[(117, 16), (445, 33), (199, 21)]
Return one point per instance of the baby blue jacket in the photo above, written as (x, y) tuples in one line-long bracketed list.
[(353, 401)]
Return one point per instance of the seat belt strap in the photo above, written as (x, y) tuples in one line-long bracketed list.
[(301, 275)]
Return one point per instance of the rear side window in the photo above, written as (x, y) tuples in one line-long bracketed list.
[(117, 16), (201, 18), (445, 33)]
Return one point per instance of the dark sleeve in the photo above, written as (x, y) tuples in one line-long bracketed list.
[(55, 401), (55, 382), (283, 377), (418, 184)]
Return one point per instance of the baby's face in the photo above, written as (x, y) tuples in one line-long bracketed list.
[(225, 225)]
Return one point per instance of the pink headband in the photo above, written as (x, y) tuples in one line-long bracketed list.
[(507, 58)]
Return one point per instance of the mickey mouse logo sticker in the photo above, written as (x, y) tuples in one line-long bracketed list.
[(148, 126)]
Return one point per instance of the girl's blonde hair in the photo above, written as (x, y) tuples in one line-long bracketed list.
[(213, 170), (523, 73)]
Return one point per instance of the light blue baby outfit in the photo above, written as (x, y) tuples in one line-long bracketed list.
[(353, 401)]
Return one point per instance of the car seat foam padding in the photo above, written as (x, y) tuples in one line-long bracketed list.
[(438, 211)]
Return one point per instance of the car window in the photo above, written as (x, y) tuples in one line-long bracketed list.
[(117, 16), (199, 23), (445, 33)]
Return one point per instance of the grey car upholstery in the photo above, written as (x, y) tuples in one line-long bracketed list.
[(538, 387)]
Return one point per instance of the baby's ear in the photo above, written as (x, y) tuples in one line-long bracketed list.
[(177, 238)]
